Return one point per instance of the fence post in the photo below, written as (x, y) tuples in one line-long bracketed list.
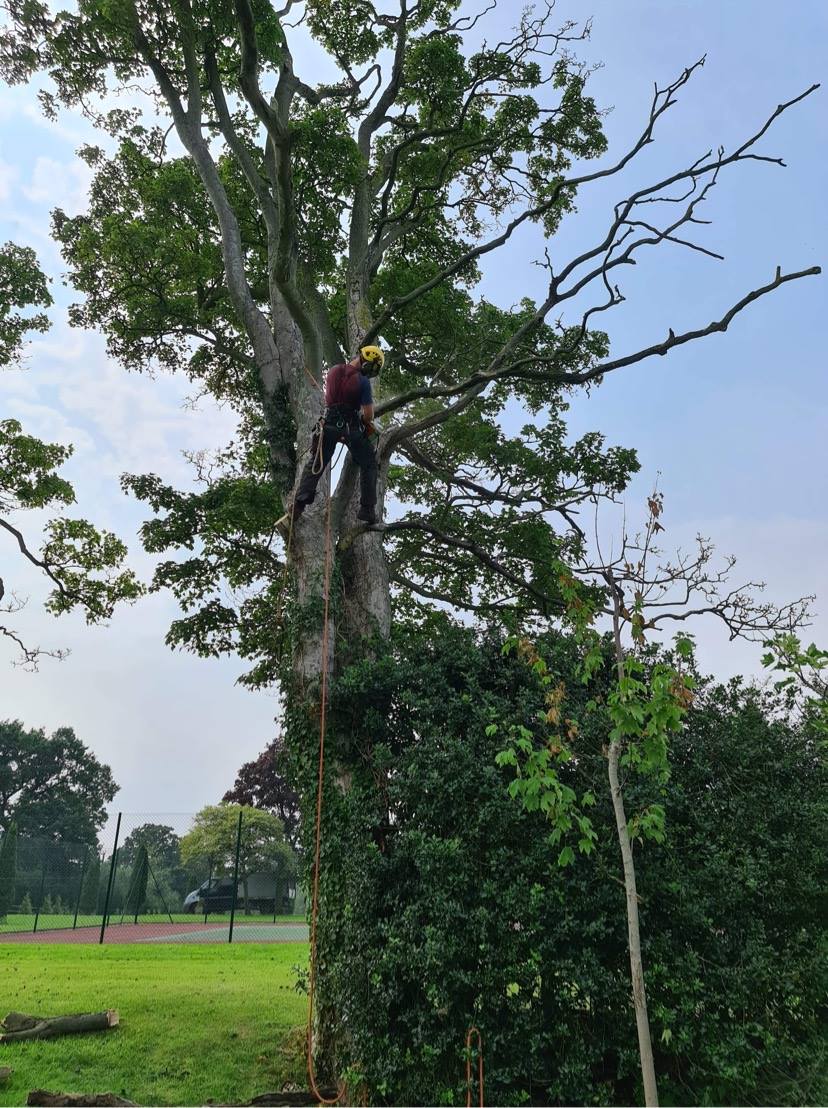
[(235, 878), (111, 878), (40, 898), (207, 897), (80, 888)]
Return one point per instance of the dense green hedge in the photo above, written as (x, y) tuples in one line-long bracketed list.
[(458, 913)]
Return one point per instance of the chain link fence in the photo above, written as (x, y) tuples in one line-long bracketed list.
[(225, 874)]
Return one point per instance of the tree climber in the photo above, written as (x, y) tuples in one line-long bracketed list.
[(348, 418)]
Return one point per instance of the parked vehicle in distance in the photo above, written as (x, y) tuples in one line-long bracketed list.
[(266, 893)]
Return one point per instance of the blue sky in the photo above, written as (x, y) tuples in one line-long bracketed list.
[(736, 424)]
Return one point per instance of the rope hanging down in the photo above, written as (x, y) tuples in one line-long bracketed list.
[(469, 1033)]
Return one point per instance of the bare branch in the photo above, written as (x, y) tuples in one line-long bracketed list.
[(44, 566), (31, 655), (662, 101), (648, 591), (674, 340)]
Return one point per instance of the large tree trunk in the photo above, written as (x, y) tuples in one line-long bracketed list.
[(359, 612)]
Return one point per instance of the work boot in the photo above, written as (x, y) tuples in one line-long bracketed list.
[(367, 515)]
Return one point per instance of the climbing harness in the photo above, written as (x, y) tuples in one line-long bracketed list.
[(474, 1031)]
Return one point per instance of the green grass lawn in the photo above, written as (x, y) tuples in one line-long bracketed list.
[(196, 1022), (18, 922)]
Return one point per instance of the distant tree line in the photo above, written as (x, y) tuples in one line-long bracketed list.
[(54, 794)]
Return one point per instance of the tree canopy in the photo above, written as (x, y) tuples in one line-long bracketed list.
[(292, 221), (215, 834), (161, 842), (8, 869), (52, 785)]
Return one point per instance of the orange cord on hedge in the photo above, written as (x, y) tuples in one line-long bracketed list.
[(473, 1031)]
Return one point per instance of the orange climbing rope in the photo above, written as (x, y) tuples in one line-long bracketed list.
[(311, 376), (473, 1031)]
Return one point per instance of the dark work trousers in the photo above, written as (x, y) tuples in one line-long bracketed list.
[(341, 427)]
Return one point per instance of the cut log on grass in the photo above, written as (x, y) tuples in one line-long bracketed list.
[(18, 1027), (46, 1099)]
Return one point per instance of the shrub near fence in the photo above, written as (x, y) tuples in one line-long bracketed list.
[(225, 872)]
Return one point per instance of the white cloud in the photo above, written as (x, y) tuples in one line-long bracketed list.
[(59, 184), (50, 424), (132, 420), (78, 134), (9, 175)]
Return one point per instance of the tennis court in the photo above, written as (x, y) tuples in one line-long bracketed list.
[(218, 932)]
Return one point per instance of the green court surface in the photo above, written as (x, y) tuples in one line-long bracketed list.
[(242, 933), (198, 1023)]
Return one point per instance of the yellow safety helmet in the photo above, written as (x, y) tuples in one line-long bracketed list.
[(373, 359)]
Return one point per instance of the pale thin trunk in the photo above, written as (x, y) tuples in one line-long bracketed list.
[(642, 1023), (645, 1047)]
